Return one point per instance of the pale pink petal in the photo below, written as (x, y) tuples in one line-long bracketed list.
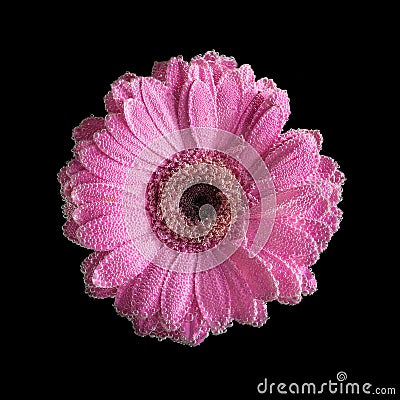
[(268, 121), (257, 274), (176, 298), (88, 211), (160, 105), (140, 122), (183, 107), (119, 266), (104, 233), (123, 299), (293, 161), (177, 75), (87, 267), (319, 231), (288, 242), (219, 64), (229, 100), (147, 291), (86, 129), (119, 129), (242, 300), (202, 71), (288, 278), (109, 146), (98, 163), (213, 298), (201, 105), (91, 192), (301, 201)]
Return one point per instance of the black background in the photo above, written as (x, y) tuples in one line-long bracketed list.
[(348, 325)]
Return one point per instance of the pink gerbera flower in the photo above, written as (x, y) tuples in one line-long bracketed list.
[(199, 209)]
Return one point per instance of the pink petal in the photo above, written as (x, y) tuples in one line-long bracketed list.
[(177, 75), (123, 299), (333, 218), (289, 281), (74, 167), (257, 274), (202, 71), (146, 326), (183, 107), (86, 129), (293, 161), (69, 230), (229, 100), (194, 328), (301, 201), (104, 233), (110, 104), (160, 105), (93, 192), (268, 122), (119, 266), (109, 146), (119, 129), (87, 267), (159, 70), (309, 284), (288, 242), (62, 176), (122, 90), (262, 313), (139, 121), (176, 298), (98, 163), (242, 300), (213, 297), (327, 166), (147, 292), (68, 209), (201, 105), (88, 211), (84, 177), (319, 231)]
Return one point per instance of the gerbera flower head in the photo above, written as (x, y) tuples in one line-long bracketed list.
[(199, 209)]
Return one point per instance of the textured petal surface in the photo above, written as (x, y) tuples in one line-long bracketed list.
[(104, 233), (176, 298), (257, 274), (119, 266), (213, 297), (147, 291), (242, 300)]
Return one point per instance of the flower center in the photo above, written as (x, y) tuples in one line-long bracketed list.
[(201, 202)]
